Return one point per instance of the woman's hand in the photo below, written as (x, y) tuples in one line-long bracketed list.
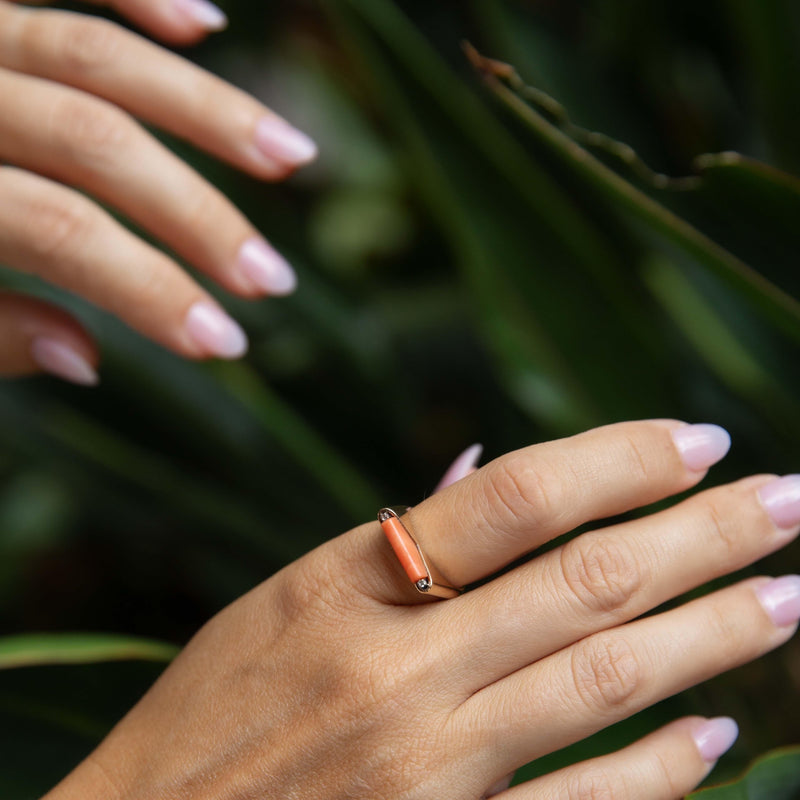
[(336, 679), (71, 87)]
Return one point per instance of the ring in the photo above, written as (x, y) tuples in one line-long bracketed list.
[(426, 580)]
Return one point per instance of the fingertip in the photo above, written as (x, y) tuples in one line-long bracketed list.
[(38, 337), (213, 333), (175, 22), (714, 737), (701, 445), (64, 360), (464, 465)]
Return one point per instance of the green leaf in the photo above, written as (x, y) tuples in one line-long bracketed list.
[(774, 303), (29, 650), (545, 276), (774, 776)]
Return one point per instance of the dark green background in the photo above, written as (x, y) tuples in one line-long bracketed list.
[(460, 280)]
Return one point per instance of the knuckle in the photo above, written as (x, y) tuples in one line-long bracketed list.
[(607, 673), (589, 784), (723, 512), (601, 572), (57, 229), (92, 132), (665, 773), (205, 209), (90, 45), (520, 491), (637, 458), (727, 632)]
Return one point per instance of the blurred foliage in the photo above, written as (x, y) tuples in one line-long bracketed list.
[(476, 265), (773, 777)]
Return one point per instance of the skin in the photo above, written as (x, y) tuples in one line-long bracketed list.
[(335, 679), (72, 88)]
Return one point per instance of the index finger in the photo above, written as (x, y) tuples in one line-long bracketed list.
[(155, 85), (524, 499)]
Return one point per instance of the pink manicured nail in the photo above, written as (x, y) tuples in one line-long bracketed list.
[(207, 14), (464, 465), (781, 599), (58, 358), (701, 445), (215, 332), (278, 140), (715, 737), (781, 498), (266, 268)]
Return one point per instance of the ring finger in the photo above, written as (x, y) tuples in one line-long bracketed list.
[(612, 674)]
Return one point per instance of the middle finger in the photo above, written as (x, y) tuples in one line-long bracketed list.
[(607, 577), (68, 135)]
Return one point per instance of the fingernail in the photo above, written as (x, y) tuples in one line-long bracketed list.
[(207, 14), (215, 332), (701, 445), (277, 139), (715, 737), (781, 599), (266, 268), (781, 499), (58, 358), (464, 465)]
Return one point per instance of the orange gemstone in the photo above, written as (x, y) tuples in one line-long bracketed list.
[(405, 549)]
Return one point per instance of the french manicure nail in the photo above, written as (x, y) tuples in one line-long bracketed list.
[(464, 465), (715, 737), (58, 358), (781, 599), (277, 139), (781, 499), (215, 332), (207, 14), (266, 268), (702, 445)]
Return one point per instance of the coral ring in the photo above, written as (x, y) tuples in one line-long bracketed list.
[(425, 579)]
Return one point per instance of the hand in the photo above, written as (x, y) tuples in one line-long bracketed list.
[(336, 679), (70, 87)]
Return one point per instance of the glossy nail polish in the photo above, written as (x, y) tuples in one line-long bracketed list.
[(781, 499), (279, 141), (58, 358), (203, 12), (215, 332), (701, 445), (715, 737), (464, 465), (266, 268), (781, 599)]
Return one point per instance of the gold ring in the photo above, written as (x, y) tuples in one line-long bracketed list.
[(426, 580)]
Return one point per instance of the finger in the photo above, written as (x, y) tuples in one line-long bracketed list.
[(526, 498), (101, 58), (601, 579), (610, 675), (55, 233), (38, 337), (464, 465), (68, 135), (666, 765), (178, 22)]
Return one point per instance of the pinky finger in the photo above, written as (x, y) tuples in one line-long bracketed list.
[(38, 337), (666, 765)]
